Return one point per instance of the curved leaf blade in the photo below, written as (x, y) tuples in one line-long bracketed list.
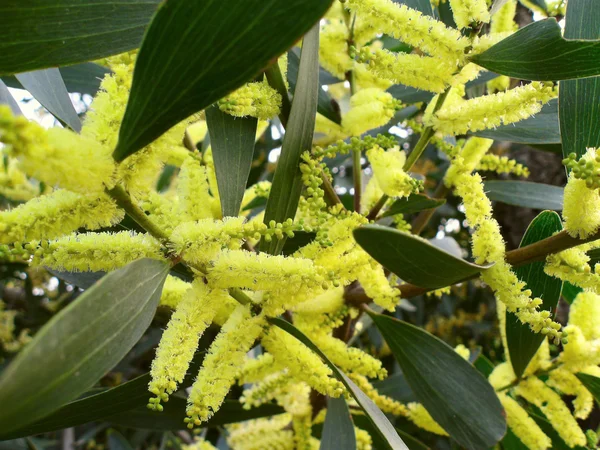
[(412, 204), (37, 34), (76, 348), (232, 141), (48, 88), (525, 194), (209, 57), (338, 429), (378, 420), (414, 259), (7, 99), (539, 52), (456, 395), (522, 342)]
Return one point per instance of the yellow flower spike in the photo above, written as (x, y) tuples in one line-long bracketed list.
[(413, 28), (567, 383), (303, 433), (265, 391), (295, 398), (222, 364), (173, 292), (364, 441), (98, 252), (193, 315), (502, 375), (490, 111), (504, 19), (581, 209), (585, 314), (483, 43), (302, 363), (367, 79), (333, 49), (195, 201), (579, 353), (421, 72), (57, 214), (386, 404), (537, 393), (371, 195), (10, 342), (467, 12), (199, 444), (260, 434), (523, 426), (256, 99), (163, 211), (255, 370), (501, 164), (58, 157), (327, 302), (421, 418), (370, 108), (377, 286), (388, 171), (14, 184)]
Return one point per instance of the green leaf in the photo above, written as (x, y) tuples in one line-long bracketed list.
[(569, 292), (326, 105), (539, 52), (420, 5), (214, 46), (7, 99), (382, 426), (579, 105), (338, 429), (37, 34), (232, 140), (48, 88), (81, 343), (522, 342), (456, 395), (525, 194), (412, 204), (543, 128), (300, 239), (484, 365), (287, 181), (116, 441), (414, 259), (363, 423), (512, 442), (591, 383)]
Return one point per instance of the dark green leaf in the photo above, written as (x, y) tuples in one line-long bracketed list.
[(594, 256), (592, 384), (382, 426), (300, 239), (539, 52), (287, 181), (446, 15), (116, 441), (81, 343), (414, 259), (484, 365), (48, 88), (412, 204), (522, 342), (7, 99), (569, 292), (326, 105), (454, 393), (210, 57), (512, 442), (409, 94), (525, 194), (338, 430), (37, 34), (539, 129), (232, 140), (579, 105), (420, 5), (396, 387), (378, 444)]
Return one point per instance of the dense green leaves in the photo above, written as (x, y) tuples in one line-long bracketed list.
[(380, 423), (592, 384), (525, 194), (287, 181), (539, 52), (456, 395), (414, 259), (542, 128), (37, 34), (338, 430), (412, 204), (189, 60), (81, 343), (522, 342), (232, 141), (48, 88), (579, 105)]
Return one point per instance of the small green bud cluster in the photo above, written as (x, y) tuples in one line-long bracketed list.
[(584, 169), (355, 144)]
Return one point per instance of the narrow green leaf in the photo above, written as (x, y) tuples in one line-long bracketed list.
[(414, 259), (408, 94), (579, 105), (363, 423), (338, 429), (37, 34), (456, 395), (214, 46), (420, 5), (7, 99), (300, 239), (116, 441), (512, 442), (412, 204), (541, 4), (232, 140), (543, 128), (287, 181), (539, 52), (591, 383), (484, 365), (81, 343), (569, 292), (48, 88), (522, 342), (525, 194), (378, 420)]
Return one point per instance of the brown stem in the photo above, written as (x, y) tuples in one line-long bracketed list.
[(375, 210), (331, 196)]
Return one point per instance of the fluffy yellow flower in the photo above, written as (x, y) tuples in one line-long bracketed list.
[(195, 201), (504, 19), (501, 164), (524, 426), (421, 418), (333, 49), (383, 402), (173, 292), (370, 108), (581, 209), (569, 384), (260, 434), (14, 184), (389, 173), (467, 12), (256, 99)]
